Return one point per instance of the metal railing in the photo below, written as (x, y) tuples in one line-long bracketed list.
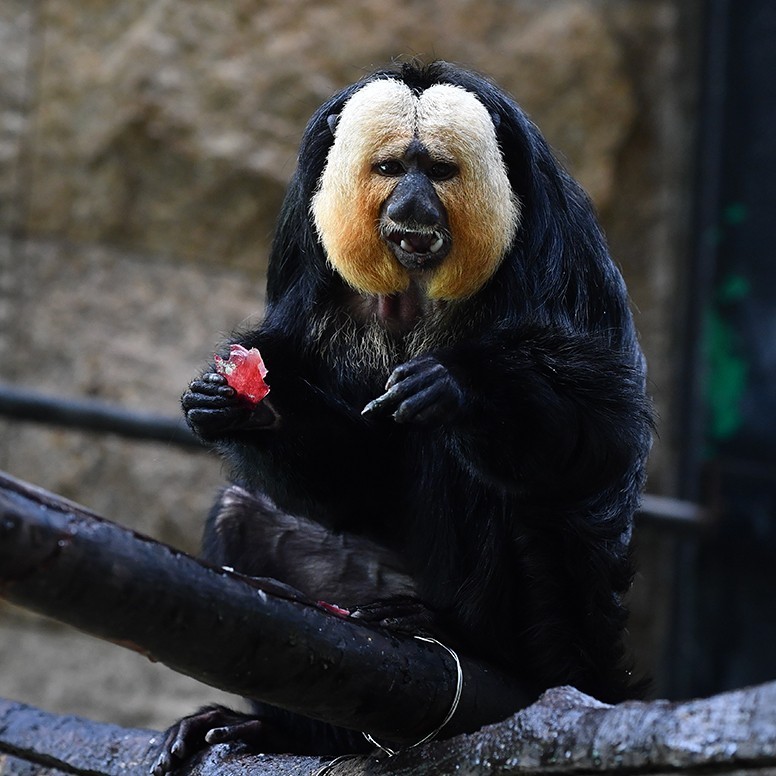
[(21, 404)]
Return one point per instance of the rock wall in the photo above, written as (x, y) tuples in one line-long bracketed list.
[(144, 149)]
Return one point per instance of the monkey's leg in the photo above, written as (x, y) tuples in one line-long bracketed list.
[(250, 534)]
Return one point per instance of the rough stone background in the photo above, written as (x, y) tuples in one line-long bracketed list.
[(144, 150)]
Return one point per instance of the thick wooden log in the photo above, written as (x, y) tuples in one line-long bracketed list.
[(246, 636), (33, 741), (567, 732), (564, 732)]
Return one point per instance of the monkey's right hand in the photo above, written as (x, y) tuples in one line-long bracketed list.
[(214, 410)]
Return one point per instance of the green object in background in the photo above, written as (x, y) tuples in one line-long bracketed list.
[(727, 366)]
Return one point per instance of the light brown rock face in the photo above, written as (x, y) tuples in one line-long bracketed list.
[(144, 149), (172, 127)]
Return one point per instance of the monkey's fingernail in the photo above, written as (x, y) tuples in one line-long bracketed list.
[(215, 735), (374, 405)]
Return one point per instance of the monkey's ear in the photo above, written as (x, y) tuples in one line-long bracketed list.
[(332, 119)]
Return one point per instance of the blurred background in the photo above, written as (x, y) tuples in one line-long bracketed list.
[(144, 150)]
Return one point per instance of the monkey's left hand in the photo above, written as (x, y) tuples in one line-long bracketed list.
[(422, 391)]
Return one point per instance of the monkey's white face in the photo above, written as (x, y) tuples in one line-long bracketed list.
[(415, 188)]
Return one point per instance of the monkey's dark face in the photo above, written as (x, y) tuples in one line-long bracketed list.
[(413, 220), (415, 194)]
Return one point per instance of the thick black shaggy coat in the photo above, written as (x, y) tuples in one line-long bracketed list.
[(515, 516)]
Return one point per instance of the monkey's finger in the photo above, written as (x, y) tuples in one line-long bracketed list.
[(251, 731), (210, 390), (162, 764), (174, 748), (380, 405), (424, 406), (399, 391), (428, 369), (417, 381), (385, 403), (214, 422), (194, 400), (209, 381)]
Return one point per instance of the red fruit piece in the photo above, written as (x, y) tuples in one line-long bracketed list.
[(334, 609), (244, 371)]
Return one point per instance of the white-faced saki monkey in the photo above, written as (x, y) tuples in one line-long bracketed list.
[(456, 434)]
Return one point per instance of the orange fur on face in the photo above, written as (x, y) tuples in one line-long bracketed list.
[(380, 121)]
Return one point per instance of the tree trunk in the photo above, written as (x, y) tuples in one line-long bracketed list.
[(564, 732)]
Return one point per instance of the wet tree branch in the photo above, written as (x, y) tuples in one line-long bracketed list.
[(271, 644)]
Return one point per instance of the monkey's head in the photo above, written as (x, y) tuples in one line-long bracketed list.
[(419, 185), (414, 188)]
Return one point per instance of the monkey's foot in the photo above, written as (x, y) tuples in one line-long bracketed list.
[(210, 725)]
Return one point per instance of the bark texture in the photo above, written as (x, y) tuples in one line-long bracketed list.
[(564, 732)]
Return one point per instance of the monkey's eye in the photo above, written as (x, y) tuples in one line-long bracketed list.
[(391, 168), (442, 171)]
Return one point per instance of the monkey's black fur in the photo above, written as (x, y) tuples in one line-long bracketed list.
[(513, 508)]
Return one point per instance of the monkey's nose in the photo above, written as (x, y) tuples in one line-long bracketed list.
[(414, 200)]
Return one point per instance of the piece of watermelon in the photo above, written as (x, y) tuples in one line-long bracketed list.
[(244, 370)]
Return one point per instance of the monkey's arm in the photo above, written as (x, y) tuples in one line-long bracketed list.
[(284, 445), (529, 407)]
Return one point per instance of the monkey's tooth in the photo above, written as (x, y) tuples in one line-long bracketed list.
[(436, 245), (406, 246)]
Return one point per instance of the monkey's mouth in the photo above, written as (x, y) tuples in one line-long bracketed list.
[(418, 248)]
